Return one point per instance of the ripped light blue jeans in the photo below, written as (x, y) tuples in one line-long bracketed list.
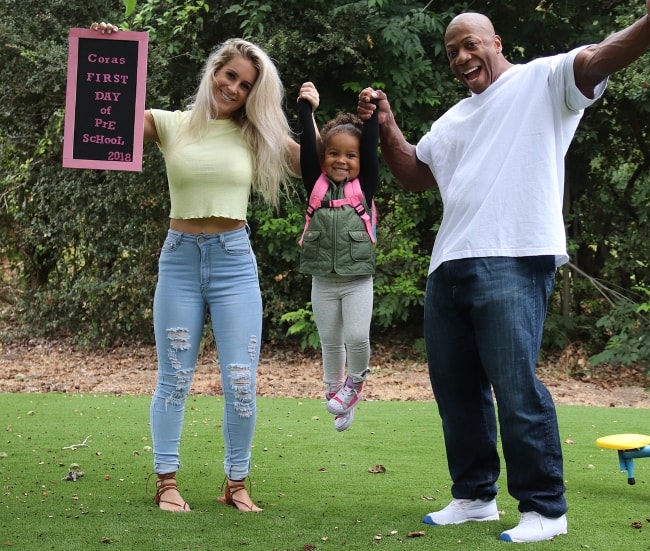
[(217, 272)]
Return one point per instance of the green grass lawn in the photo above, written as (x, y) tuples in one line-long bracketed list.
[(313, 482)]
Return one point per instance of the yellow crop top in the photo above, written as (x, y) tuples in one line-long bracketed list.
[(210, 176)]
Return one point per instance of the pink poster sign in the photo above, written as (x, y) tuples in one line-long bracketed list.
[(105, 100)]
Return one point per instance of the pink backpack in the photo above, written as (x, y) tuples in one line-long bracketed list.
[(353, 197)]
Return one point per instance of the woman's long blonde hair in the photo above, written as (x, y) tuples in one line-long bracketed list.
[(262, 119)]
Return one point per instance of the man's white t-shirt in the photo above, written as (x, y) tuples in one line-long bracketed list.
[(498, 159)]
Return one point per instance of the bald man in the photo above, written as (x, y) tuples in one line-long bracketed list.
[(497, 158)]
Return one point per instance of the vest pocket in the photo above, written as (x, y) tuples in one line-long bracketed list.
[(311, 245), (360, 246)]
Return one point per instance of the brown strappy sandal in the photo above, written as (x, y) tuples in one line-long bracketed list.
[(233, 495), (164, 484)]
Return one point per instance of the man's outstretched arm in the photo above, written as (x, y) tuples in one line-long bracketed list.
[(595, 63)]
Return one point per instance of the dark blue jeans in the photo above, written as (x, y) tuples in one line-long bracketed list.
[(483, 329)]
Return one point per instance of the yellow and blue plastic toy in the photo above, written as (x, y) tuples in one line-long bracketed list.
[(629, 447)]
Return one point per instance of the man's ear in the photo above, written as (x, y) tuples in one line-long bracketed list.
[(498, 46)]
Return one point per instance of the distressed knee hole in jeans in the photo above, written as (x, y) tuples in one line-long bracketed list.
[(179, 340), (240, 380)]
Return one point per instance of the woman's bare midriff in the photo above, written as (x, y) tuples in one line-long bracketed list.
[(205, 225)]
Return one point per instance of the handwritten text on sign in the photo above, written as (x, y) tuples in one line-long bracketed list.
[(105, 100)]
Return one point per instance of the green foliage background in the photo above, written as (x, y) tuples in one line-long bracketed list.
[(83, 245)]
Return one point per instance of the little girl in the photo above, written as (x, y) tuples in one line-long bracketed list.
[(338, 249)]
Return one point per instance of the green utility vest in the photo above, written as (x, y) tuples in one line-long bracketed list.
[(337, 240)]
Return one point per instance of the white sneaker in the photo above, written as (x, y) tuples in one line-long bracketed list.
[(534, 527), (464, 510), (346, 398), (342, 422)]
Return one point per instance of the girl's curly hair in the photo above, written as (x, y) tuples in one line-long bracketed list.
[(343, 122)]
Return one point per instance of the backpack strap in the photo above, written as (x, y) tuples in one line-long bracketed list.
[(315, 202), (354, 195)]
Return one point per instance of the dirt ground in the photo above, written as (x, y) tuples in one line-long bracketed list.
[(397, 374)]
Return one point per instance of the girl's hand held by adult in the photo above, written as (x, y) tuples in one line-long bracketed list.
[(371, 99), (309, 92)]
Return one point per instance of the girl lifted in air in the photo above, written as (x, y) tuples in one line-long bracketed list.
[(337, 248)]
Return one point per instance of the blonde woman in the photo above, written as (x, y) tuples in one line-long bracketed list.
[(233, 139)]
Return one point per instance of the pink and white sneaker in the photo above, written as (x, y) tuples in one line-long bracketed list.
[(341, 422), (346, 398)]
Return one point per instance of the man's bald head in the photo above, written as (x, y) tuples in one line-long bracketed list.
[(479, 23)]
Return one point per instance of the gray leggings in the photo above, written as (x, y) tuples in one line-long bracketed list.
[(342, 309)]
